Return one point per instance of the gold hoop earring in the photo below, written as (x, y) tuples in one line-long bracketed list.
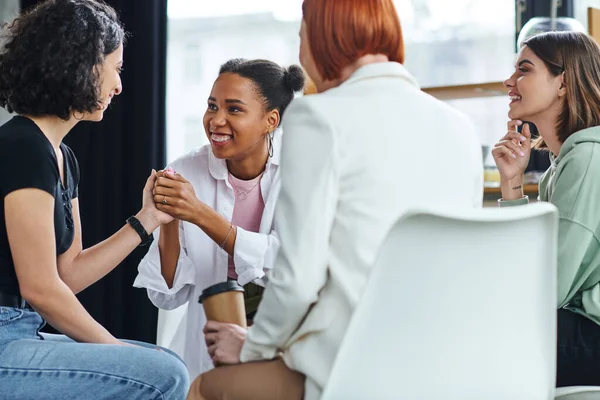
[(75, 115)]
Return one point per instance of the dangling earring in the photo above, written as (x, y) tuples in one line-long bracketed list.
[(270, 143)]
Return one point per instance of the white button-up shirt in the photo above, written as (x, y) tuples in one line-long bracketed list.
[(202, 262)]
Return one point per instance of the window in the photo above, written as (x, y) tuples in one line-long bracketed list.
[(192, 67), (463, 41), (194, 136)]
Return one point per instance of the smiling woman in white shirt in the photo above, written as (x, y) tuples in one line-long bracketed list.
[(223, 198)]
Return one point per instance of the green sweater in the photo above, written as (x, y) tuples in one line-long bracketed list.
[(572, 184)]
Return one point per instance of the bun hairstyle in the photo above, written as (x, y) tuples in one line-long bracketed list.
[(275, 84), (294, 78)]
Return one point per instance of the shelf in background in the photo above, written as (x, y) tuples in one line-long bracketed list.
[(476, 90)]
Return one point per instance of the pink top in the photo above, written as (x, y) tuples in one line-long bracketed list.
[(247, 209)]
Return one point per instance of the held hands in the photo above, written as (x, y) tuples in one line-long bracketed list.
[(150, 216), (174, 195), (224, 342), (512, 152)]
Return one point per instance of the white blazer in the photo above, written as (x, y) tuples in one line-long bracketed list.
[(201, 261), (354, 159)]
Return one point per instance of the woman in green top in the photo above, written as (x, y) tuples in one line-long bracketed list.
[(556, 86)]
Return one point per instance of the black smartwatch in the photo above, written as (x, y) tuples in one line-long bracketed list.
[(137, 226)]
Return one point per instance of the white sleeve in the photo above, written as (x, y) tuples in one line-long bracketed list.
[(253, 253), (150, 276), (303, 220)]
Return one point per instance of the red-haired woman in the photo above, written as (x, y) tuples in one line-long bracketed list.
[(352, 162)]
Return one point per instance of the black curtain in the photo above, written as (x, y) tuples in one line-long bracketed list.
[(116, 157)]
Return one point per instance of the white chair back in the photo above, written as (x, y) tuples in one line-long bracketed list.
[(459, 305)]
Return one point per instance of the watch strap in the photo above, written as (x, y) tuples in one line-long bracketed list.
[(137, 226)]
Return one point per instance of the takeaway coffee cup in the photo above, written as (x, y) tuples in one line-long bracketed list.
[(224, 302)]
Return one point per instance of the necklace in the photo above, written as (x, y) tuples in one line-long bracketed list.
[(243, 195)]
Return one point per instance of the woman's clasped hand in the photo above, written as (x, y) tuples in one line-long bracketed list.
[(174, 195)]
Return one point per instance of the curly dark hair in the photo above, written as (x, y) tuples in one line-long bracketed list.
[(49, 57)]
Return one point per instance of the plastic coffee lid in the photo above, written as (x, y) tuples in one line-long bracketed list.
[(229, 286)]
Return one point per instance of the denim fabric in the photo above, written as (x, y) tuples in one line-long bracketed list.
[(34, 365)]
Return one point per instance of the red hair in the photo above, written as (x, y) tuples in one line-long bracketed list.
[(342, 31)]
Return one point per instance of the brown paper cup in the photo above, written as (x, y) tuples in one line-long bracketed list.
[(224, 302)]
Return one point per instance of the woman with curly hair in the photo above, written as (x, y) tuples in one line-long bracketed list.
[(60, 64)]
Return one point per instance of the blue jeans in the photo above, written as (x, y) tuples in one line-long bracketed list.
[(35, 365)]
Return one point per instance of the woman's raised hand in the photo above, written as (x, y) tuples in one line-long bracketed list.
[(150, 216), (512, 152)]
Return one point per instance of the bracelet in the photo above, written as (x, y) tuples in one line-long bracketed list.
[(226, 237), (137, 226)]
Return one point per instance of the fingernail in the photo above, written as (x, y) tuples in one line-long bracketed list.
[(519, 122), (522, 138), (522, 154), (513, 155)]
